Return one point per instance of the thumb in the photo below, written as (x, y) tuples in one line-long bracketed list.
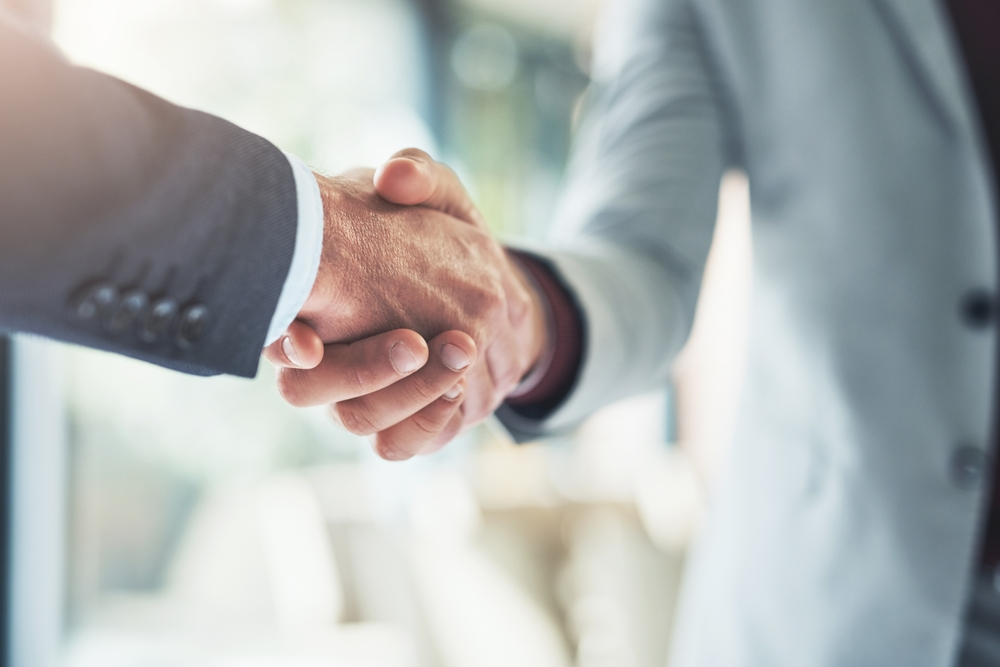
[(412, 178), (299, 347)]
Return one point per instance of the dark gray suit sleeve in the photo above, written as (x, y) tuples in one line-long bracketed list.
[(132, 225)]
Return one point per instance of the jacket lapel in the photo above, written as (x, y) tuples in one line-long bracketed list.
[(924, 28)]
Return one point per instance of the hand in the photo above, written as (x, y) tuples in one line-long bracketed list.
[(406, 393), (429, 268)]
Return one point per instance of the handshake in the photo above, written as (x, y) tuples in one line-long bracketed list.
[(420, 323)]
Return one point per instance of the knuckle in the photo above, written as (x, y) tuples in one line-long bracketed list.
[(428, 426), (290, 387), (362, 380), (389, 448), (493, 298), (333, 413), (519, 306), (355, 419), (488, 311), (423, 392), (518, 311), (503, 370), (507, 381)]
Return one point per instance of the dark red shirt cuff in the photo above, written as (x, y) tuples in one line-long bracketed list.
[(567, 335)]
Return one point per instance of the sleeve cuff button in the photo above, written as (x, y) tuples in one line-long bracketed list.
[(192, 326), (157, 320), (95, 301)]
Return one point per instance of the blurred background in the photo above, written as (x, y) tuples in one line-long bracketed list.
[(158, 519)]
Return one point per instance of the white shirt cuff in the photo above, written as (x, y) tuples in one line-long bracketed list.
[(308, 251)]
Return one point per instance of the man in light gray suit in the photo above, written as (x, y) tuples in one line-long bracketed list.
[(850, 527)]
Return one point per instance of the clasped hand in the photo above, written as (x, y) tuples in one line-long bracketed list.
[(419, 323)]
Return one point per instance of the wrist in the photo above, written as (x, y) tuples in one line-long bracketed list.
[(323, 294), (555, 373), (301, 276), (540, 330)]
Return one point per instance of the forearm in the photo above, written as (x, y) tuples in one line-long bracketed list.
[(104, 183)]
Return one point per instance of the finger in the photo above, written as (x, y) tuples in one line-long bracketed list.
[(523, 301), (451, 355), (504, 361), (446, 435), (479, 392), (412, 178), (416, 433), (356, 369), (299, 347)]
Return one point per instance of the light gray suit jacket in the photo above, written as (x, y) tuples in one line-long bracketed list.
[(847, 527)]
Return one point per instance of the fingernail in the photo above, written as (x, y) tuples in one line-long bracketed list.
[(290, 352), (454, 357), (402, 359), (454, 392)]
